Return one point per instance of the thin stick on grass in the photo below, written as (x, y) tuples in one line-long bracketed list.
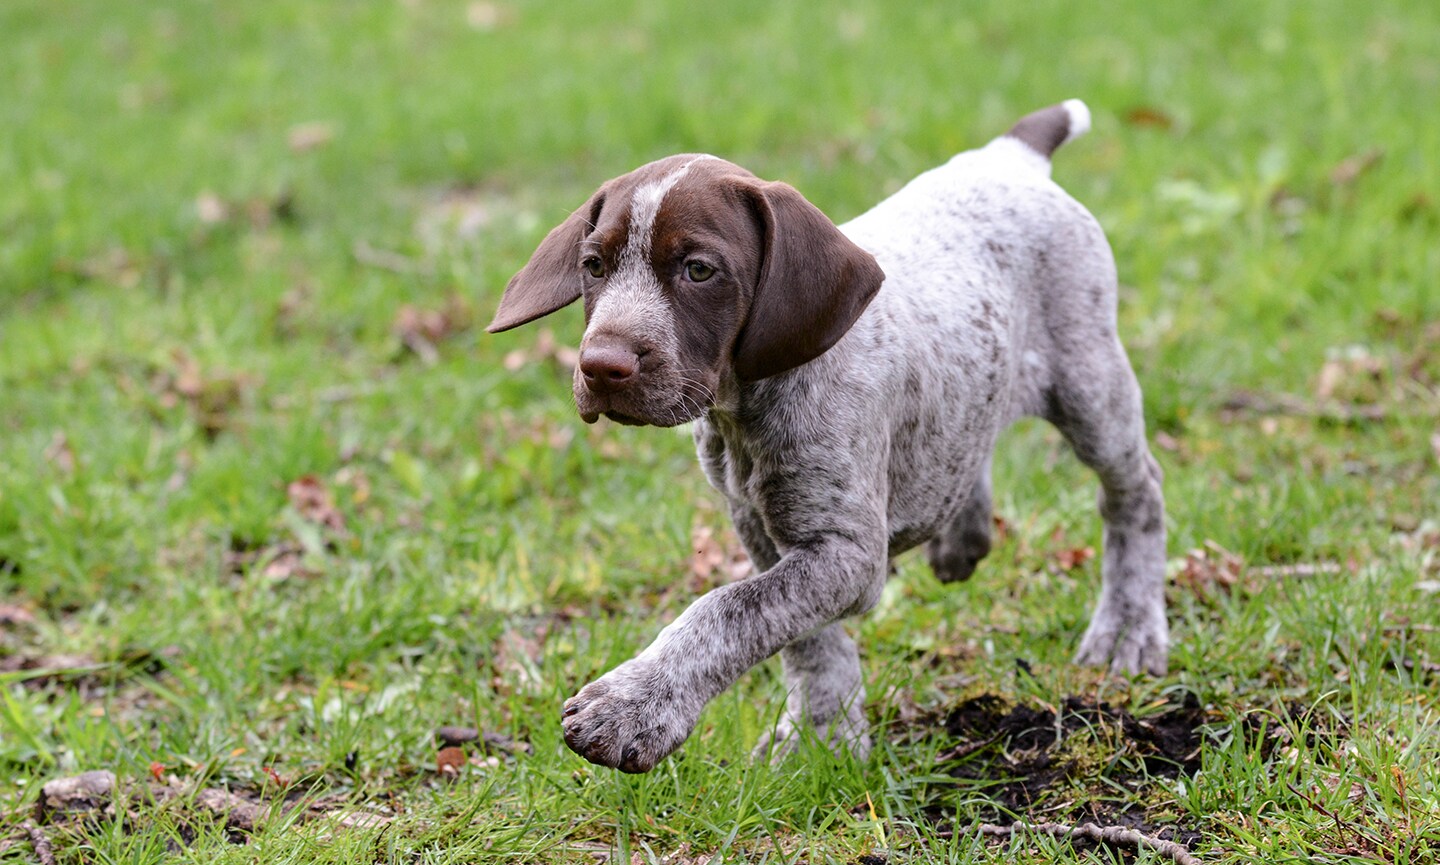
[(1115, 836), (43, 850)]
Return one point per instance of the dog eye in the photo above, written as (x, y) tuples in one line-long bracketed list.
[(698, 271), (594, 265)]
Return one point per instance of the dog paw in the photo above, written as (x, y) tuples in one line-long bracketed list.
[(629, 719), (1128, 643)]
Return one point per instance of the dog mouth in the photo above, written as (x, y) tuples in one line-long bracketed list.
[(653, 403), (681, 412), (627, 420)]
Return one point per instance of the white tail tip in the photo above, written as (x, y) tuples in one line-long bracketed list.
[(1079, 118)]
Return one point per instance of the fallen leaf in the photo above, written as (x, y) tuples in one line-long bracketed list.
[(210, 208), (421, 330), (1145, 115), (1074, 557), (313, 501), (309, 136), (263, 211), (545, 347), (11, 614), (355, 478), (715, 560), (449, 761), (1209, 568), (517, 657), (485, 16), (1002, 530), (1349, 169), (115, 266), (59, 453), (1351, 374), (1166, 442), (210, 396)]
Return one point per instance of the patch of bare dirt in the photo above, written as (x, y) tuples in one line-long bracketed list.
[(1068, 762)]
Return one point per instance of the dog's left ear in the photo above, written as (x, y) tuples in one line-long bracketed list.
[(814, 283), (552, 278)]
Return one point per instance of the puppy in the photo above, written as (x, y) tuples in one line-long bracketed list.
[(846, 386)]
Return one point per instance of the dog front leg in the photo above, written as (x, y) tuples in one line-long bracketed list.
[(634, 716)]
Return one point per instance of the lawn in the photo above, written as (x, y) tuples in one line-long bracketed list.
[(274, 509)]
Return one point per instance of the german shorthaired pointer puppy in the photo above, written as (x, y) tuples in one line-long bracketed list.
[(847, 386)]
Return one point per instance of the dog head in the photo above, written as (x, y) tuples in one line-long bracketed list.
[(693, 273)]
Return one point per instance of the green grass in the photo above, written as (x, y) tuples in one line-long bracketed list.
[(194, 314)]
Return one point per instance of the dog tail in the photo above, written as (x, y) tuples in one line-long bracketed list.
[(1045, 130)]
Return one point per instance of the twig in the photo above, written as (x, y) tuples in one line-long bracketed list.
[(43, 851), (1116, 836)]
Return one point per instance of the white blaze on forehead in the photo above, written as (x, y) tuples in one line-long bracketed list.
[(644, 207), (632, 304)]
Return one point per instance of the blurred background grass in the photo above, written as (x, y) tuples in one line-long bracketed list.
[(224, 228)]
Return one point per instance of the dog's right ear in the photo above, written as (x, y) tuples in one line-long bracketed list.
[(552, 278)]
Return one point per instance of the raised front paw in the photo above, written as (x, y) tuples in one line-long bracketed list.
[(1128, 641), (629, 719)]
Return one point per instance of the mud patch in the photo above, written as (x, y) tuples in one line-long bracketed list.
[(1083, 760)]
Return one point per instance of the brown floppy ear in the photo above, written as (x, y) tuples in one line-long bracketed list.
[(552, 278), (814, 282)]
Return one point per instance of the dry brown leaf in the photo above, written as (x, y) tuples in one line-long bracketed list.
[(1208, 569), (1002, 530), (355, 478), (449, 761), (210, 396), (284, 561), (715, 560), (115, 266), (485, 17), (1349, 169), (59, 453), (211, 209), (545, 347), (517, 656), (309, 136), (1074, 557), (1351, 374), (1149, 116), (313, 501), (421, 330), (11, 614)]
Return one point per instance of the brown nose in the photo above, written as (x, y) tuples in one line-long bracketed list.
[(608, 365)]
